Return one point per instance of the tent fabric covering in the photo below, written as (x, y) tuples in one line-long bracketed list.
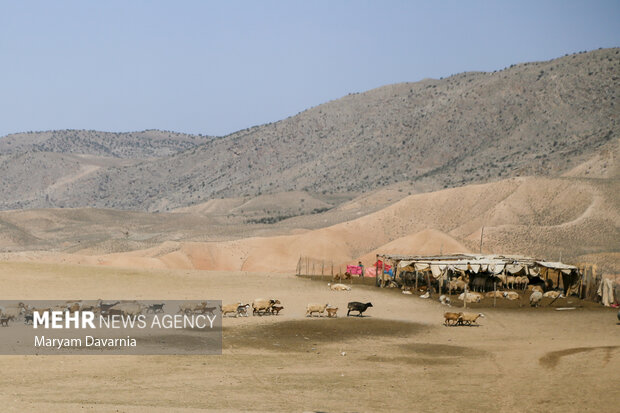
[(438, 268), (514, 269), (354, 269), (565, 268), (606, 292)]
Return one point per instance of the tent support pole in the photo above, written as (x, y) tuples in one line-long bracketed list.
[(465, 297)]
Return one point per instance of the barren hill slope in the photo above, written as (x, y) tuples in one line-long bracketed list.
[(572, 218), (36, 166), (134, 145), (539, 118)]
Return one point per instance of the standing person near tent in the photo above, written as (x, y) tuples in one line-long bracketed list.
[(359, 264)]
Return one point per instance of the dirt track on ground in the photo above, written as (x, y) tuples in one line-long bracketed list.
[(398, 358)]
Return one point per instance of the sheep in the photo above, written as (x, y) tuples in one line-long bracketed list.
[(338, 287), (105, 307), (391, 284), (206, 310), (535, 298), (74, 306), (155, 308), (491, 294), (511, 295), (444, 300), (263, 305), (451, 318), (332, 312), (191, 307), (230, 308), (510, 281), (501, 279), (4, 320), (130, 309), (339, 276), (553, 294), (39, 311), (15, 309), (357, 306), (524, 281), (92, 305), (471, 297), (315, 308), (12, 312), (456, 285), (534, 288), (275, 309), (469, 318), (243, 309)]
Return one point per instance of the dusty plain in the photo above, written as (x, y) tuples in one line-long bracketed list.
[(399, 358)]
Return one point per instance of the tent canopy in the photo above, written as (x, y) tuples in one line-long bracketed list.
[(475, 263)]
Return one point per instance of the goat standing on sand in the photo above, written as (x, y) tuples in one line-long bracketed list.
[(451, 319), (332, 312), (535, 298), (469, 318), (276, 308), (315, 308), (357, 306)]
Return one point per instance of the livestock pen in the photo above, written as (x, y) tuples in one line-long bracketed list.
[(445, 274), (318, 269)]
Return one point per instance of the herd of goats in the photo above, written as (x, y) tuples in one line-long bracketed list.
[(260, 307)]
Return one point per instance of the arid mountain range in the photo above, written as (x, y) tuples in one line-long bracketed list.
[(539, 118), (530, 153)]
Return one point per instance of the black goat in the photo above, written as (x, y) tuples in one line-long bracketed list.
[(357, 306)]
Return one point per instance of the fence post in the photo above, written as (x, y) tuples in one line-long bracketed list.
[(465, 297), (377, 271), (428, 285)]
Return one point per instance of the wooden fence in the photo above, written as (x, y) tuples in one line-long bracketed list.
[(316, 269)]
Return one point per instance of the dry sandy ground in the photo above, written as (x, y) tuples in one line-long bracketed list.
[(573, 219), (399, 358)]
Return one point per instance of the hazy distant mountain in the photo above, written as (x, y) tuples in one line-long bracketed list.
[(530, 119)]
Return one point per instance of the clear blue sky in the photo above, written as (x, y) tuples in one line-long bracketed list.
[(216, 67)]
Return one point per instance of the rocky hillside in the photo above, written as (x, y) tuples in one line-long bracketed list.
[(133, 145), (538, 119)]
